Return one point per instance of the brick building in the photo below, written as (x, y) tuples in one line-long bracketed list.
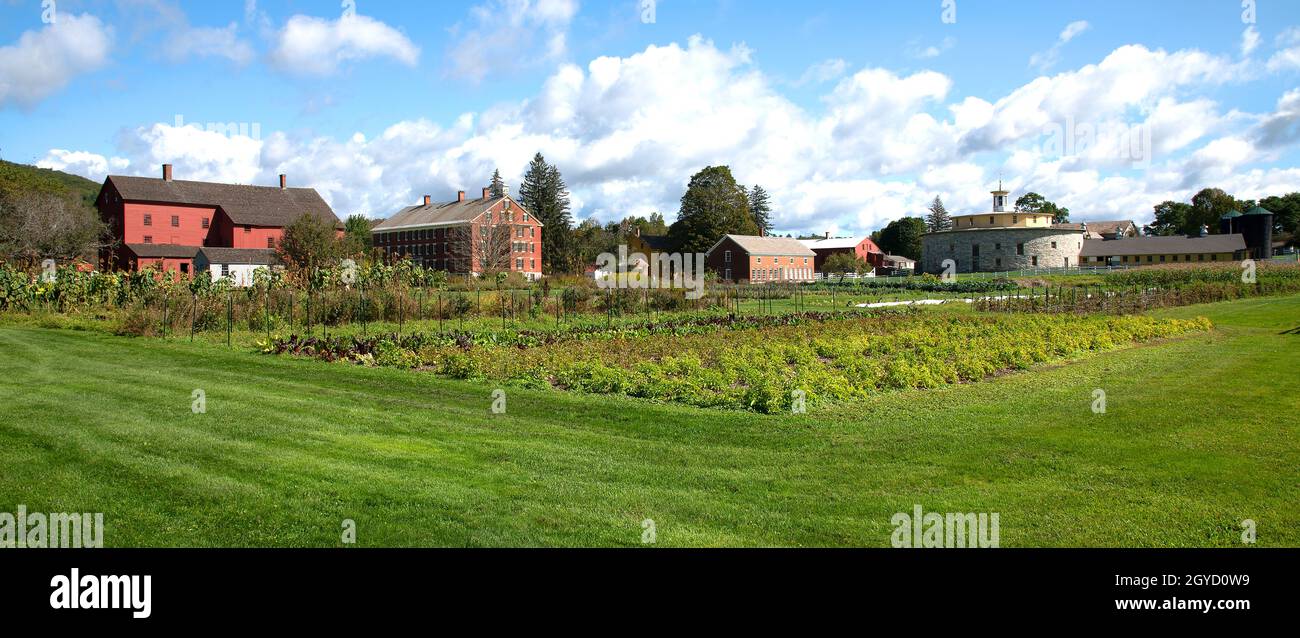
[(165, 222), (760, 260), (465, 236), (862, 249)]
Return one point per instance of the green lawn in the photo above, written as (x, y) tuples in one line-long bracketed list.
[(1199, 434)]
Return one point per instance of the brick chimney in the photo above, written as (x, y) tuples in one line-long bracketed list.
[(460, 196), (427, 200), (167, 172), (761, 232), (284, 182), (486, 191)]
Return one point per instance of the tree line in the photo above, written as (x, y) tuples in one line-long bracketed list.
[(1210, 204)]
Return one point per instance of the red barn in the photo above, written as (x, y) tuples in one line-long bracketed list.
[(166, 221), (760, 260), (862, 248)]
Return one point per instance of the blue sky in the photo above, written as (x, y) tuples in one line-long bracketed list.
[(851, 113)]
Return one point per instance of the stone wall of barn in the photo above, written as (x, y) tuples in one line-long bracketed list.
[(1001, 249)]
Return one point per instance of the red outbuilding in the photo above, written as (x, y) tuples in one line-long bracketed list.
[(166, 221), (862, 248)]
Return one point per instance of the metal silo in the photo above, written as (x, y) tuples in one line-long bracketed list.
[(1257, 227), (1228, 223)]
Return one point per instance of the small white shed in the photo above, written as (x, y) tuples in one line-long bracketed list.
[(236, 263)]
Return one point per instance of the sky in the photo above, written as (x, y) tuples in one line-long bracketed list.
[(849, 113)]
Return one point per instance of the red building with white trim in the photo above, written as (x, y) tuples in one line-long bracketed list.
[(166, 221)]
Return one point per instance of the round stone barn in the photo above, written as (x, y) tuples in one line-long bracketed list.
[(1002, 239)]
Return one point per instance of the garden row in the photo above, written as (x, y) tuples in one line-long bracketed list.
[(768, 368), (1264, 272)]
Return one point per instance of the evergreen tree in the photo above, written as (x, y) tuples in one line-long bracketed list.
[(544, 194), (760, 209), (714, 205), (938, 219), (498, 186)]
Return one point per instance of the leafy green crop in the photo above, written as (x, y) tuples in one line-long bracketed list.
[(765, 366)]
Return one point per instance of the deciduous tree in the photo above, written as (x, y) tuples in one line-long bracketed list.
[(36, 226), (903, 237), (308, 243)]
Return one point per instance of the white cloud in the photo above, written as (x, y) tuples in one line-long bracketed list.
[(1249, 41), (823, 72), (43, 62), (1073, 29), (915, 50), (219, 42), (507, 35), (315, 46), (1287, 56), (1047, 59), (82, 162), (628, 132), (1131, 78)]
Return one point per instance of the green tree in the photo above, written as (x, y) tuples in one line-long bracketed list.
[(903, 237), (356, 235), (544, 194), (1034, 203), (713, 205), (938, 219), (1286, 211), (629, 226), (760, 208), (1171, 218), (590, 239), (308, 243), (1208, 206), (498, 186), (842, 263), (655, 225)]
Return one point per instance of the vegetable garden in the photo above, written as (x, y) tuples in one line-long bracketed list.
[(763, 348)]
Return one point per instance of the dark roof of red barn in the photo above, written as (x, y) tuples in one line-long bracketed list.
[(245, 205), (174, 251), (658, 242)]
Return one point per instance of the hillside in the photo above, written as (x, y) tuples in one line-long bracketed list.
[(17, 179)]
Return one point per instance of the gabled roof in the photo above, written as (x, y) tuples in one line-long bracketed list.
[(269, 206), (755, 245), (657, 242), (243, 256), (448, 214), (834, 243), (1108, 227), (155, 251), (1177, 245)]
